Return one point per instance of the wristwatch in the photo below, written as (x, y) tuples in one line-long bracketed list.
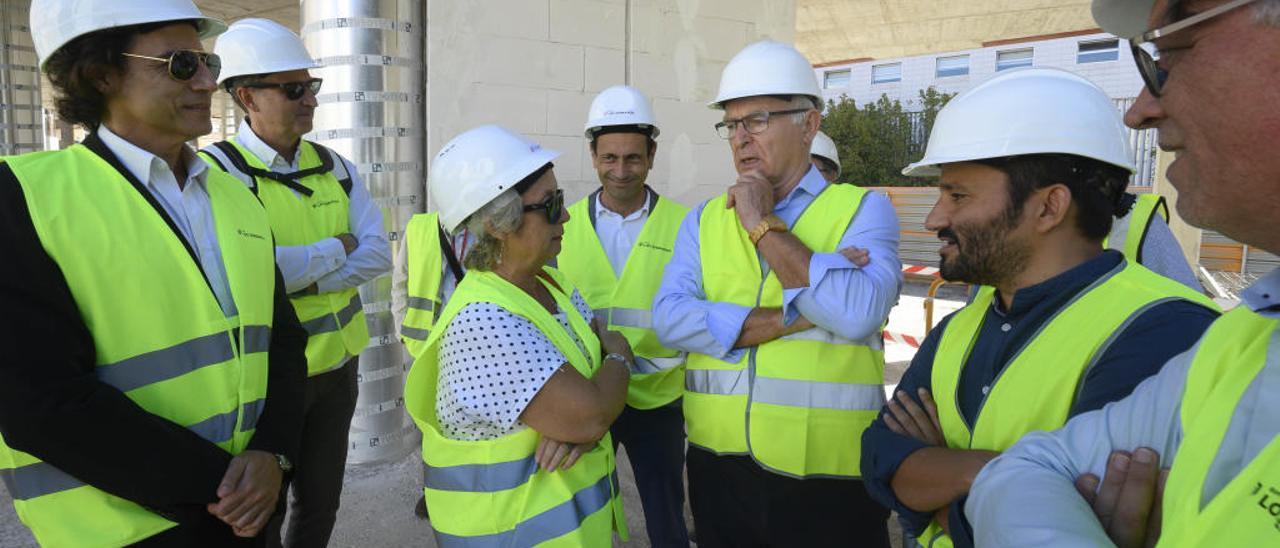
[(771, 223), (284, 464), (620, 359)]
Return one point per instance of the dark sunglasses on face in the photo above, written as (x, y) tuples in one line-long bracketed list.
[(292, 90), (185, 63), (1147, 55), (554, 205)]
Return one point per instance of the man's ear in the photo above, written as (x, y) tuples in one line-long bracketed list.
[(245, 97), (1055, 207), (812, 122)]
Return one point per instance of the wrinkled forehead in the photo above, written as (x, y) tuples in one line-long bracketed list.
[(738, 108)]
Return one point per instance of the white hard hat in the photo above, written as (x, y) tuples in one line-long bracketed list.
[(823, 146), (260, 46), (620, 106), (56, 22), (1123, 18), (1027, 111), (475, 167), (767, 68)]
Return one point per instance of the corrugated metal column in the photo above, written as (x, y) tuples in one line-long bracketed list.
[(21, 115), (371, 111)]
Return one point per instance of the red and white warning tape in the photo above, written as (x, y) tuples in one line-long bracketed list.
[(890, 337), (920, 270)]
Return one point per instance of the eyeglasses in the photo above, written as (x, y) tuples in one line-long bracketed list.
[(554, 205), (755, 123), (292, 90), (1147, 55), (185, 63)]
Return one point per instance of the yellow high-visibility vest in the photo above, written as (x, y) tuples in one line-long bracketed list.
[(491, 493), (1128, 233), (1246, 512), (424, 269), (165, 343), (626, 302), (797, 405), (1036, 389), (335, 324)]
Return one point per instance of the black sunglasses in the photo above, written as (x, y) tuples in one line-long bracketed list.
[(292, 90), (185, 63), (554, 204)]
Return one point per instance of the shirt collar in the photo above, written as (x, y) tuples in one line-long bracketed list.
[(639, 213), (144, 165), (812, 184), (1069, 282), (1263, 293), (267, 155)]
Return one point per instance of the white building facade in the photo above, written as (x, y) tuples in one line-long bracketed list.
[(1098, 56)]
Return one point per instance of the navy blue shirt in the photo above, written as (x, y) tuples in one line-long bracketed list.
[(1137, 353)]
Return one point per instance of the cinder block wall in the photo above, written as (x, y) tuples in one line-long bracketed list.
[(535, 66)]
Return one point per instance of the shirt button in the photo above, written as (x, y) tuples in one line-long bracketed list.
[(987, 389), (1006, 327)]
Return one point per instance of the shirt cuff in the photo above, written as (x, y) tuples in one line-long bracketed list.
[(332, 252), (724, 323)]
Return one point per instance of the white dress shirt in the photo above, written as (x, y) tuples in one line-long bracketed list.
[(326, 263), (618, 234), (187, 204)]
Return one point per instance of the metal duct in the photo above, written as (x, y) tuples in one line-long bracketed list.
[(371, 111), (21, 115)]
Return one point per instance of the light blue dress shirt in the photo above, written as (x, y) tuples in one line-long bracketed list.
[(848, 301), (325, 263), (188, 205), (1027, 497)]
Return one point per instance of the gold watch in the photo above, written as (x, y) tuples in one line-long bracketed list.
[(771, 223)]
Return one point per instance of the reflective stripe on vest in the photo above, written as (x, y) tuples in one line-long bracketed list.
[(1231, 356), (1037, 387), (180, 359), (490, 493), (424, 269), (335, 320), (625, 301), (207, 372), (797, 404), (1128, 233)]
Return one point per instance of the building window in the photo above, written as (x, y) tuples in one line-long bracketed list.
[(1098, 51), (884, 74), (835, 79), (1014, 58), (957, 65)]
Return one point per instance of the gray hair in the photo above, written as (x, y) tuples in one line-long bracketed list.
[(1267, 12), (502, 215), (800, 101), (232, 84)]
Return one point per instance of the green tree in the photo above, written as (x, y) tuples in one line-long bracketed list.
[(877, 140)]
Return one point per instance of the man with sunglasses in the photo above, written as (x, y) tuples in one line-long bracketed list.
[(786, 361), (159, 396), (616, 244), (328, 240), (1192, 456)]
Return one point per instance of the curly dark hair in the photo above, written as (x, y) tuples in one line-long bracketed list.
[(1096, 187), (77, 67)]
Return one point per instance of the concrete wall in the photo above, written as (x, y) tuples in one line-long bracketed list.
[(535, 66), (1119, 78)]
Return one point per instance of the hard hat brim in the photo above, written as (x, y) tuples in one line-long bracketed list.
[(451, 220)]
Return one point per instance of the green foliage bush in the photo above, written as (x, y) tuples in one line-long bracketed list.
[(879, 139)]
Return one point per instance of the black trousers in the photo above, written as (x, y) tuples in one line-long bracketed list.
[(317, 475), (654, 439), (196, 531), (737, 503)]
